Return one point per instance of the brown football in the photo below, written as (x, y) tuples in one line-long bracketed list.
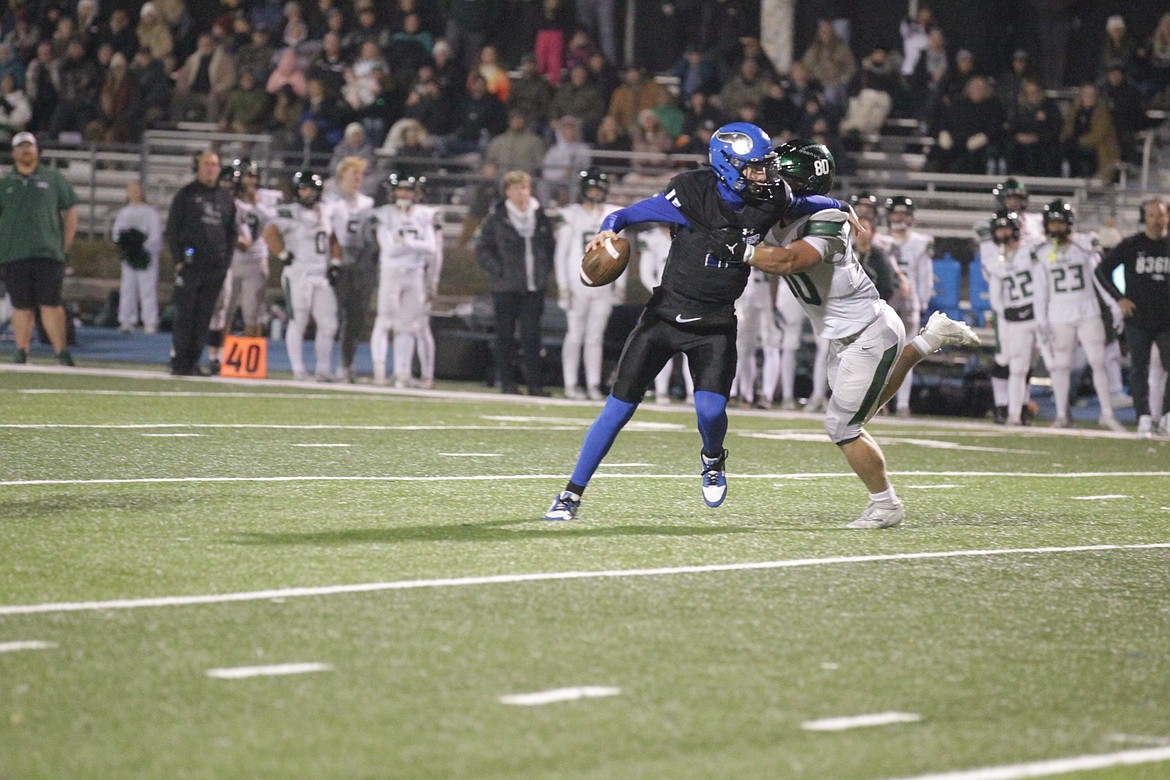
[(606, 263)]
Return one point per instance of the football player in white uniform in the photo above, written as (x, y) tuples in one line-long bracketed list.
[(246, 284), (586, 308), (424, 337), (790, 317), (757, 328), (301, 237), (407, 238), (354, 279), (1074, 311), (869, 355), (913, 253), (1019, 297), (1012, 195), (653, 249)]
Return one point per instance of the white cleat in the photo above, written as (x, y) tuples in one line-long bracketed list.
[(1121, 401), (941, 331), (1145, 429), (1164, 426), (880, 516), (1110, 423), (1061, 422)]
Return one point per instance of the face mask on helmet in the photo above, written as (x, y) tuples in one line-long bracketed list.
[(742, 157), (1005, 227), (1058, 219), (899, 212), (308, 187), (865, 204), (806, 165), (1012, 195), (594, 185), (400, 190)]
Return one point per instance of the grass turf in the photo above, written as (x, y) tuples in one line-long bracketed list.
[(1008, 658)]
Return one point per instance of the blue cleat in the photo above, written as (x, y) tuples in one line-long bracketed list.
[(714, 480), (564, 507)]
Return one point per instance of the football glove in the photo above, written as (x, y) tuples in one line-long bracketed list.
[(285, 257), (334, 273), (728, 245)]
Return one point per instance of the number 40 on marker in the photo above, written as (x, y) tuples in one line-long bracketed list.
[(244, 357)]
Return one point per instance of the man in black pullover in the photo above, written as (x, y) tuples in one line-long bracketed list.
[(201, 233), (1145, 303)]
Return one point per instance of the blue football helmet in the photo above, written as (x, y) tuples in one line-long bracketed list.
[(740, 147)]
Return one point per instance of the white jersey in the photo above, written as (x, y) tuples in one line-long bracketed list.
[(1016, 286), (578, 225), (345, 216), (407, 239), (913, 255), (1070, 273), (306, 235), (836, 293), (653, 248), (144, 218), (250, 221)]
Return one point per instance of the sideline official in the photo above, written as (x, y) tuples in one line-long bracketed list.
[(201, 234), (38, 220)]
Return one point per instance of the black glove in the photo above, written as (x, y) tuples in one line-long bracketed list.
[(285, 257), (728, 245), (333, 274)]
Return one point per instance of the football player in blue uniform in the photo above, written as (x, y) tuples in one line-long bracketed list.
[(741, 194)]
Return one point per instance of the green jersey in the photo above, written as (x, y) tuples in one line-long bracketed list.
[(30, 214)]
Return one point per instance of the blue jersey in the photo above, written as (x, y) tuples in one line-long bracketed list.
[(697, 289)]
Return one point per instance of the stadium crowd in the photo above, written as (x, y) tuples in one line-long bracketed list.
[(439, 79)]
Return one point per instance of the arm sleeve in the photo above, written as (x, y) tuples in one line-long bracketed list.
[(174, 227), (563, 256), (1040, 273), (1105, 270), (655, 209), (485, 249), (810, 204)]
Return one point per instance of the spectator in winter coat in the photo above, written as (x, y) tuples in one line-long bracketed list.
[(970, 131), (1089, 137), (516, 249)]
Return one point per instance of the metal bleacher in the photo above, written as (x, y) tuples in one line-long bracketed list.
[(887, 163)]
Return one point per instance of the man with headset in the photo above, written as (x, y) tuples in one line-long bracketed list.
[(1145, 256), (201, 235)]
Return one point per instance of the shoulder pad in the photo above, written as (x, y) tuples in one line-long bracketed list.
[(829, 223)]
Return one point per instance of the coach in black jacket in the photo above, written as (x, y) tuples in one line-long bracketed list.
[(1145, 304), (516, 246), (201, 233)]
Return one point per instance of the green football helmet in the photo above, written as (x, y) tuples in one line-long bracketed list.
[(1010, 188), (1059, 211), (807, 165)]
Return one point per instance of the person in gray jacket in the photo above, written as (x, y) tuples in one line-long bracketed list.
[(516, 247)]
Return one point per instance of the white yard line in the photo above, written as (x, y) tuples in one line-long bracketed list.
[(1056, 766), (1096, 498), (561, 477), (27, 644), (272, 670), (537, 698), (860, 721), (174, 435), (504, 579)]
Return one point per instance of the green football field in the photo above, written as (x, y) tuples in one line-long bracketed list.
[(205, 579)]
